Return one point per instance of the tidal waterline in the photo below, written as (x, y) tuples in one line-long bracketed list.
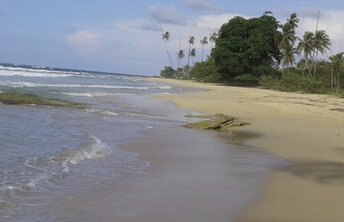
[(62, 164)]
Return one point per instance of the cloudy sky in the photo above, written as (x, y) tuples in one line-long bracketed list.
[(124, 36)]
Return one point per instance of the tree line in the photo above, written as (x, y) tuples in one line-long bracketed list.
[(262, 51), (183, 71)]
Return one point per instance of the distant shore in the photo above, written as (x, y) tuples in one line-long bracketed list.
[(305, 129)]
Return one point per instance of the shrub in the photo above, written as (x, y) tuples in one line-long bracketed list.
[(264, 70), (167, 72), (291, 81), (205, 72), (245, 80)]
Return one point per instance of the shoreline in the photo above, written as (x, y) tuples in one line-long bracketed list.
[(304, 129), (191, 175)]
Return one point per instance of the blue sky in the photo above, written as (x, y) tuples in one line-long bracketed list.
[(125, 36)]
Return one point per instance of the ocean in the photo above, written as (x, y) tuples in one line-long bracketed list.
[(49, 152), (50, 156)]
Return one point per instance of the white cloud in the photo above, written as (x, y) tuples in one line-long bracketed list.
[(199, 5), (150, 26), (83, 40), (212, 22), (166, 15)]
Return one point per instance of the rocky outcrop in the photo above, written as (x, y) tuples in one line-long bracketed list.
[(218, 122)]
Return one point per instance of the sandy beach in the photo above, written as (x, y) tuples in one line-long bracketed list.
[(306, 130)]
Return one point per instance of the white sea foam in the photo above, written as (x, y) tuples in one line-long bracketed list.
[(20, 84), (92, 148), (164, 87), (56, 165), (110, 113), (106, 112), (90, 94), (33, 74), (37, 72)]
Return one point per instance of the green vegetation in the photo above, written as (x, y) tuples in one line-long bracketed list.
[(246, 46), (291, 81), (205, 71), (12, 98), (262, 51)]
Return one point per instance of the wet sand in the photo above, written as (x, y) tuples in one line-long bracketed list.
[(194, 176), (306, 130)]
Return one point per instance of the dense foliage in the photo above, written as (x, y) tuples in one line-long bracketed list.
[(247, 46), (205, 72)]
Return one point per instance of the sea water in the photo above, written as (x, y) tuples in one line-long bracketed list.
[(47, 153)]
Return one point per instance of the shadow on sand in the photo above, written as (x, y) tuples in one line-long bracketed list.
[(326, 172)]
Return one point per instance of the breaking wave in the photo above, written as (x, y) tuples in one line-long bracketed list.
[(20, 84), (37, 72), (47, 168)]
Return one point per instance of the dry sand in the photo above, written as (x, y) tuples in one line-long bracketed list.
[(306, 130)]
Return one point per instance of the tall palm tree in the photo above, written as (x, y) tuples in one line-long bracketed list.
[(337, 66), (193, 54), (204, 42), (306, 47), (166, 37), (288, 40), (321, 43), (180, 56), (191, 42), (213, 38)]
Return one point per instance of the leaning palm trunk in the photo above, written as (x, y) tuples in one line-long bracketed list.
[(332, 79), (338, 82), (168, 54), (308, 67), (315, 64), (203, 53), (189, 54)]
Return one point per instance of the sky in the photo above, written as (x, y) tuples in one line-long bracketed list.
[(124, 36)]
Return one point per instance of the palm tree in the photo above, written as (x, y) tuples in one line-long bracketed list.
[(288, 40), (306, 46), (191, 42), (293, 21), (165, 37), (337, 66), (204, 42), (288, 56), (213, 38), (193, 54), (180, 56), (321, 43)]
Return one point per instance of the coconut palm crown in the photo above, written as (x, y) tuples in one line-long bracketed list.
[(203, 42)]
